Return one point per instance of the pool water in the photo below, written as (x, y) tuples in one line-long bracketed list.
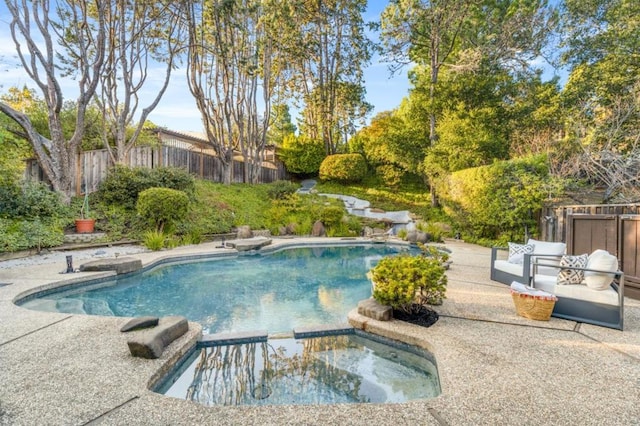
[(276, 292), (349, 368)]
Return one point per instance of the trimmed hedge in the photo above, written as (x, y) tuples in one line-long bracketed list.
[(343, 168), (123, 184), (163, 207), (301, 155), (500, 201)]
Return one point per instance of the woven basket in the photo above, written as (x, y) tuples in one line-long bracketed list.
[(533, 307)]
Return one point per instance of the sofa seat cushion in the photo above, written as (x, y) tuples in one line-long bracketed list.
[(516, 269), (576, 291), (508, 267)]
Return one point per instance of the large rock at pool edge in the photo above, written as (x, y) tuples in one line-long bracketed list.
[(150, 343), (372, 309), (254, 243), (318, 229), (139, 323), (121, 265)]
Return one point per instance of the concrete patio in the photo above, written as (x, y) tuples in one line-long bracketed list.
[(494, 367)]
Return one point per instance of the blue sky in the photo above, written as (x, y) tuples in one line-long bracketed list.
[(177, 110)]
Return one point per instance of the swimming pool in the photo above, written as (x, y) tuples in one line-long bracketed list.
[(277, 291)]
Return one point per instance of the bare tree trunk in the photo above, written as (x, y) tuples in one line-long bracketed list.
[(71, 41)]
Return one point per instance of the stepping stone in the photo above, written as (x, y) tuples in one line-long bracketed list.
[(140, 323), (121, 265), (248, 244), (151, 343)]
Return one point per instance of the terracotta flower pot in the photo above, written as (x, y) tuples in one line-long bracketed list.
[(85, 226)]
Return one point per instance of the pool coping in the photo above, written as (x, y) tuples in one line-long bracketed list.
[(477, 341)]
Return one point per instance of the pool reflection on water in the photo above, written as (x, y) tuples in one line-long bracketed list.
[(350, 368)]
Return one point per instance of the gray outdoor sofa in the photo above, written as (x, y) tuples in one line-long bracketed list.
[(505, 271), (578, 302)]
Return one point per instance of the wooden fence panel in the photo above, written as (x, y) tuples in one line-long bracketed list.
[(630, 253), (587, 232), (613, 227), (94, 165)]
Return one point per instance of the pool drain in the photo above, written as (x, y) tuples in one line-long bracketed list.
[(261, 392)]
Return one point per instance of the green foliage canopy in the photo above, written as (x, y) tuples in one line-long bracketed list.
[(301, 155), (498, 201), (343, 168), (162, 207)]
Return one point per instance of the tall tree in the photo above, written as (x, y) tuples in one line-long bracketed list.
[(463, 36), (427, 33), (140, 35), (54, 41), (329, 48), (233, 70), (602, 94)]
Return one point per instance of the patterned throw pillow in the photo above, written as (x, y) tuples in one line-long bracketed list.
[(572, 276), (517, 252)]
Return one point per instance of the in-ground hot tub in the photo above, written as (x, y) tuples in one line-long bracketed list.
[(355, 367)]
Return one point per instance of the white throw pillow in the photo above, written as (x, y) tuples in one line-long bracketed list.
[(517, 252), (600, 260), (572, 276)]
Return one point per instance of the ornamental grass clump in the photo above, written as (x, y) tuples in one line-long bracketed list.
[(410, 282)]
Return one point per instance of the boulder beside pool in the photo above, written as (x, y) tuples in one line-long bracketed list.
[(150, 343), (372, 309), (139, 323), (121, 265)]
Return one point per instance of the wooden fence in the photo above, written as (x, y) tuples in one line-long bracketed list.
[(611, 227), (554, 220), (93, 166)]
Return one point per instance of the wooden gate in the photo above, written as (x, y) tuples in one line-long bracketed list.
[(629, 232), (618, 234), (587, 232)]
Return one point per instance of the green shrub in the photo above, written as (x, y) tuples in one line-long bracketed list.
[(174, 178), (123, 184), (434, 229), (331, 216), (31, 200), (391, 175), (153, 240), (343, 168), (301, 155), (500, 201), (162, 207), (9, 194), (16, 235), (405, 281), (402, 234), (281, 189)]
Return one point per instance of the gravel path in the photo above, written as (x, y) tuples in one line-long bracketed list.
[(59, 256)]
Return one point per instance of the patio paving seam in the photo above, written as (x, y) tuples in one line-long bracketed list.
[(35, 331), (575, 330), (506, 323), (609, 346), (98, 420), (481, 283)]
